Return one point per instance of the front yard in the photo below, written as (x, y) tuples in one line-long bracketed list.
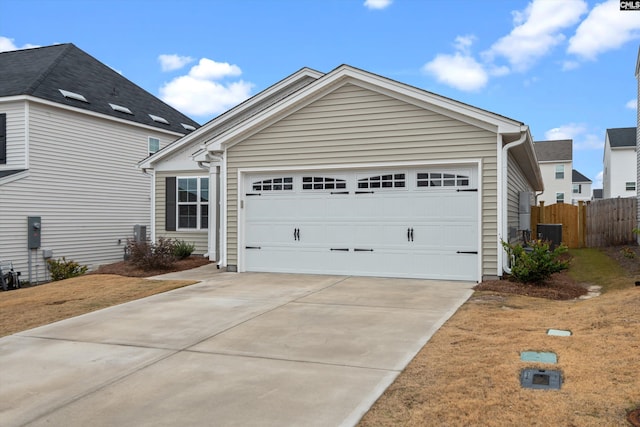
[(469, 372)]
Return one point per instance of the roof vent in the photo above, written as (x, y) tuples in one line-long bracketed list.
[(73, 95), (187, 127), (158, 119), (120, 108)]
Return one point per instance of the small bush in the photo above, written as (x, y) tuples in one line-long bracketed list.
[(627, 252), (182, 249), (152, 256), (537, 264), (61, 269)]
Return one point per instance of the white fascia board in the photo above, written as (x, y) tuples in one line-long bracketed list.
[(346, 74), (202, 131)]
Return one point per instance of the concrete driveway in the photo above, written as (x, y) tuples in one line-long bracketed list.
[(250, 349)]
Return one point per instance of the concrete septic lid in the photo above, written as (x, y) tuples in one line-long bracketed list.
[(540, 379), (542, 357), (558, 332)]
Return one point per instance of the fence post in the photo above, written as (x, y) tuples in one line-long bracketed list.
[(581, 224), (541, 216)]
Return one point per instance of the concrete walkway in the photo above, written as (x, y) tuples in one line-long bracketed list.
[(250, 349)]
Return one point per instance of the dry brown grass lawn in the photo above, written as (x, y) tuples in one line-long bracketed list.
[(469, 372), (27, 308)]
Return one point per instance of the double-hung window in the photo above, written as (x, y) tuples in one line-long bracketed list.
[(559, 171), (193, 203), (630, 186)]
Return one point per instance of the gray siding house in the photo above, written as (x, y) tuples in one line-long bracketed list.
[(348, 172), (71, 133)]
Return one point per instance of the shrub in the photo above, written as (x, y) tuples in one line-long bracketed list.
[(627, 252), (61, 269), (536, 264), (182, 249), (152, 256)]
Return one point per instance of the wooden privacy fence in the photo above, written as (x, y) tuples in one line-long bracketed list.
[(607, 222)]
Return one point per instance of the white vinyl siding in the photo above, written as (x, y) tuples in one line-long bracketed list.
[(16, 152), (353, 125), (197, 237), (83, 182)]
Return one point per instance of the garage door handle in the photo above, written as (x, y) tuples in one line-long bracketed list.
[(252, 247), (409, 234), (467, 252), (362, 250), (296, 234), (340, 249), (467, 189), (339, 192), (365, 192)]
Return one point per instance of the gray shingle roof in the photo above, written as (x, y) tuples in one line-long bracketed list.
[(42, 72), (578, 177), (556, 150), (622, 137)]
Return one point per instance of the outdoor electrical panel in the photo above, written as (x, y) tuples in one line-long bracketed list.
[(34, 228)]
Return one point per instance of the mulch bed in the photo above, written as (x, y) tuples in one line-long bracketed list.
[(125, 268), (559, 287)]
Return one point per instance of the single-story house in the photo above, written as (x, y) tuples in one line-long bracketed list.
[(349, 172)]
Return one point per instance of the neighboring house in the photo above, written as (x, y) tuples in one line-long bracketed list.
[(556, 165), (71, 133), (597, 194), (619, 177), (349, 173), (581, 187)]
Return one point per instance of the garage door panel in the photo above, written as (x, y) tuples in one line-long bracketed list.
[(408, 231)]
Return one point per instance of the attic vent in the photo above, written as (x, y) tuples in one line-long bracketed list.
[(73, 95), (158, 119), (120, 108), (187, 127)]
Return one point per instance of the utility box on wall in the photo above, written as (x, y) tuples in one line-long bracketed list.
[(34, 229)]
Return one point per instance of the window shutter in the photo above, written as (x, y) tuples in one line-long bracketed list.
[(3, 139), (170, 204)]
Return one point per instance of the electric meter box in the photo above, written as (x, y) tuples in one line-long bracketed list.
[(34, 228)]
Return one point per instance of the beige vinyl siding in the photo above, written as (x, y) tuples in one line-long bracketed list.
[(15, 112), (83, 182), (516, 183), (197, 237), (353, 125)]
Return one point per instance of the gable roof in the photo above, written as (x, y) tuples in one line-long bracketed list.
[(43, 72), (578, 177), (622, 137), (245, 110), (560, 150)]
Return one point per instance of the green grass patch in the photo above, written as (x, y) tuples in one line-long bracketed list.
[(591, 265)]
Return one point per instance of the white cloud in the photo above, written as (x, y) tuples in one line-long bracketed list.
[(605, 28), (583, 138), (173, 62), (377, 4), (7, 44), (597, 183), (459, 70), (200, 93), (537, 30), (632, 104), (570, 65)]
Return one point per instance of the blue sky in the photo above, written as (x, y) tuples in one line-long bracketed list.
[(563, 67)]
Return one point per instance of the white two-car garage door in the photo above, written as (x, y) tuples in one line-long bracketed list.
[(418, 223)]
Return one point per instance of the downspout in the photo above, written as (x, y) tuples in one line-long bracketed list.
[(504, 196)]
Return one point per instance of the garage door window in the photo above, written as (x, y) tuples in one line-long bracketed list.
[(322, 183), (396, 180), (441, 179), (274, 184)]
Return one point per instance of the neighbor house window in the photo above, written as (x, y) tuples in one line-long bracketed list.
[(559, 171), (559, 197), (154, 145), (577, 188), (630, 186), (193, 203)]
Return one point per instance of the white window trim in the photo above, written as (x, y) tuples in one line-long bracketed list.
[(198, 203)]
